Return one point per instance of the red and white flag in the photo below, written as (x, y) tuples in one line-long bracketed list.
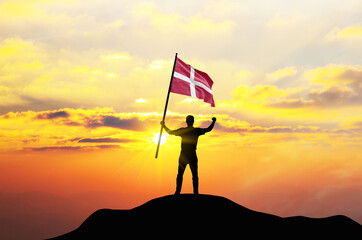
[(192, 82)]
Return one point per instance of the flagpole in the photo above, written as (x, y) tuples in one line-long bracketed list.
[(164, 112)]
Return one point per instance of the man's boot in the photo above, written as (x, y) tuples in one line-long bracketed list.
[(195, 183)]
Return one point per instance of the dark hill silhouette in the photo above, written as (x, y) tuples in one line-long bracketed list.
[(206, 216)]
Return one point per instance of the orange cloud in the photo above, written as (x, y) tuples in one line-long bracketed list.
[(81, 129)]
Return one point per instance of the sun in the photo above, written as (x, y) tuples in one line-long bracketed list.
[(163, 138)]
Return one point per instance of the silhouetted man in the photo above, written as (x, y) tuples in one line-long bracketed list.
[(188, 155)]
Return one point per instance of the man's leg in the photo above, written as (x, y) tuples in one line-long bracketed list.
[(195, 177), (182, 163)]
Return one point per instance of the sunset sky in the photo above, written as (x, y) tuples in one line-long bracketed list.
[(83, 86)]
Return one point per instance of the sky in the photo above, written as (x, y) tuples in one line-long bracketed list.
[(83, 86)]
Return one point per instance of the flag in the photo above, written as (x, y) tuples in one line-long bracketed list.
[(192, 82)]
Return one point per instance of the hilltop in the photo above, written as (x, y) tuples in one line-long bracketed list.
[(191, 215)]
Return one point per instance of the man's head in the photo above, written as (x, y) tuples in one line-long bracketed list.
[(190, 120)]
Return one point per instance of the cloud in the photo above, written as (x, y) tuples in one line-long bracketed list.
[(33, 19), (141, 100), (256, 99), (280, 74), (351, 32), (219, 127), (358, 124), (63, 127), (230, 125), (341, 87), (18, 50), (175, 25), (93, 118), (37, 78), (352, 124), (335, 97), (88, 129), (71, 148), (16, 9), (82, 69), (333, 74), (55, 114), (261, 129), (194, 24), (88, 118), (258, 93), (115, 122), (331, 97), (105, 140), (159, 64), (290, 103)]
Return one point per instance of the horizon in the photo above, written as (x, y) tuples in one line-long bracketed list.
[(83, 86)]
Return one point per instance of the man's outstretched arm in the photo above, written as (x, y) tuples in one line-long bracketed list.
[(211, 125)]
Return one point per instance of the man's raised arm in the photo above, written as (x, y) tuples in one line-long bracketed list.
[(211, 125)]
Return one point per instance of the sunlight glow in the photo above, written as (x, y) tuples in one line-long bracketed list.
[(163, 138)]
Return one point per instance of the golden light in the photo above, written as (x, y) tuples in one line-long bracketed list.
[(163, 138)]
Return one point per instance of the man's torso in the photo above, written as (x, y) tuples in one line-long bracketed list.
[(190, 136)]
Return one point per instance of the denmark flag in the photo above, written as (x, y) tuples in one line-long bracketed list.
[(192, 82)]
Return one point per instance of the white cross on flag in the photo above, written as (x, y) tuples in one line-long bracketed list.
[(192, 82)]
